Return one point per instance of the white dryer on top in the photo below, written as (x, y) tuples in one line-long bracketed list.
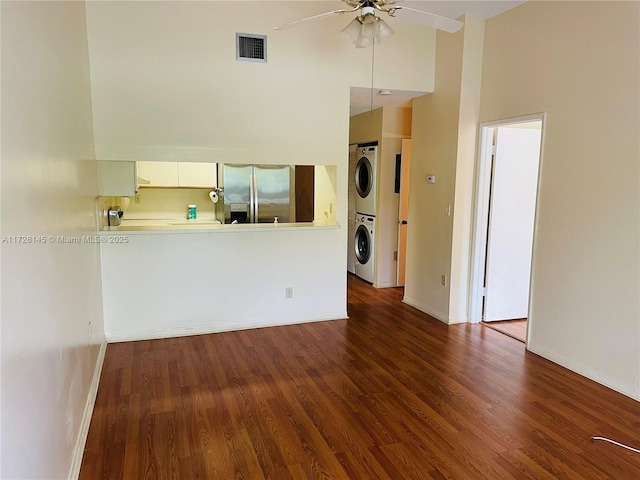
[(366, 179)]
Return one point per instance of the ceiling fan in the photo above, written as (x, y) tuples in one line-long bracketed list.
[(367, 27)]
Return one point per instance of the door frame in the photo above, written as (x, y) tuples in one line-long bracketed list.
[(481, 209), (403, 204)]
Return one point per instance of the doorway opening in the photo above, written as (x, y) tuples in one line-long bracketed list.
[(402, 173), (505, 217)]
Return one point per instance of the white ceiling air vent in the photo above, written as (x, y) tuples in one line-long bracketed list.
[(251, 48)]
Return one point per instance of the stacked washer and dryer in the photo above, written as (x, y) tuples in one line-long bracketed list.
[(365, 206)]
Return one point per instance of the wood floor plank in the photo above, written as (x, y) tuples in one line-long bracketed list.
[(263, 438), (132, 451), (402, 459), (389, 393), (355, 467), (311, 439)]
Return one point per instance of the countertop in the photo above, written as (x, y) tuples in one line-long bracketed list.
[(203, 225)]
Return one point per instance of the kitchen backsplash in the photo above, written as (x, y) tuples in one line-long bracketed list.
[(163, 203)]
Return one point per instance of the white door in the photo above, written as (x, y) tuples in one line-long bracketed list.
[(511, 221)]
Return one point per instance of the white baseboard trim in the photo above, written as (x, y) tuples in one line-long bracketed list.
[(385, 285), (185, 331), (582, 370), (455, 321), (443, 317), (78, 453)]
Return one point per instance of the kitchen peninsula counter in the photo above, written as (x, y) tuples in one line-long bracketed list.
[(170, 280), (172, 226)]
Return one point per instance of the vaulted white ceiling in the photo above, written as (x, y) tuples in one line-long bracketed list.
[(362, 99)]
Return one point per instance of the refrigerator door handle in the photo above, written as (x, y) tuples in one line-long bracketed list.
[(251, 200), (256, 199)]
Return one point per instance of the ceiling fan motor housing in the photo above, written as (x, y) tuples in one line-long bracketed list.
[(368, 11)]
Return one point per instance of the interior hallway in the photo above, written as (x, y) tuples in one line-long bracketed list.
[(389, 393)]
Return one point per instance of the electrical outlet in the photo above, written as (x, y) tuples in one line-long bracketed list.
[(288, 292), (137, 199), (443, 280)]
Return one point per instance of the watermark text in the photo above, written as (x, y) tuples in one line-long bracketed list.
[(62, 239)]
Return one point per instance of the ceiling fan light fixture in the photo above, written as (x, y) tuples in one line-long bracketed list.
[(368, 19), (364, 42), (352, 31), (384, 30), (367, 29)]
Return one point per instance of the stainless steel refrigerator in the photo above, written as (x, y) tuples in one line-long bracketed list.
[(256, 193)]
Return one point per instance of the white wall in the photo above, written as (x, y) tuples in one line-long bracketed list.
[(579, 63), (462, 208), (443, 144), (51, 302), (168, 284), (166, 83), (166, 86)]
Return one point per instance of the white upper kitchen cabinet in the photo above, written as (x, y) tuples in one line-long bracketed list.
[(196, 174), (117, 179), (178, 174), (158, 174)]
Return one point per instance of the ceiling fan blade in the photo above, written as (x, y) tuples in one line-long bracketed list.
[(314, 17), (426, 18)]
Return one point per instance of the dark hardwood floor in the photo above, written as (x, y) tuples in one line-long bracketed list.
[(388, 394), (514, 328)]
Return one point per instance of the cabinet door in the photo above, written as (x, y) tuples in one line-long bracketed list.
[(117, 179), (196, 174), (159, 174)]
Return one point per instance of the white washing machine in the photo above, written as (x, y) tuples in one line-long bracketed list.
[(365, 234), (366, 179)]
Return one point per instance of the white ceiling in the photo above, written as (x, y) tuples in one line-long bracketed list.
[(455, 8), (361, 98)]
